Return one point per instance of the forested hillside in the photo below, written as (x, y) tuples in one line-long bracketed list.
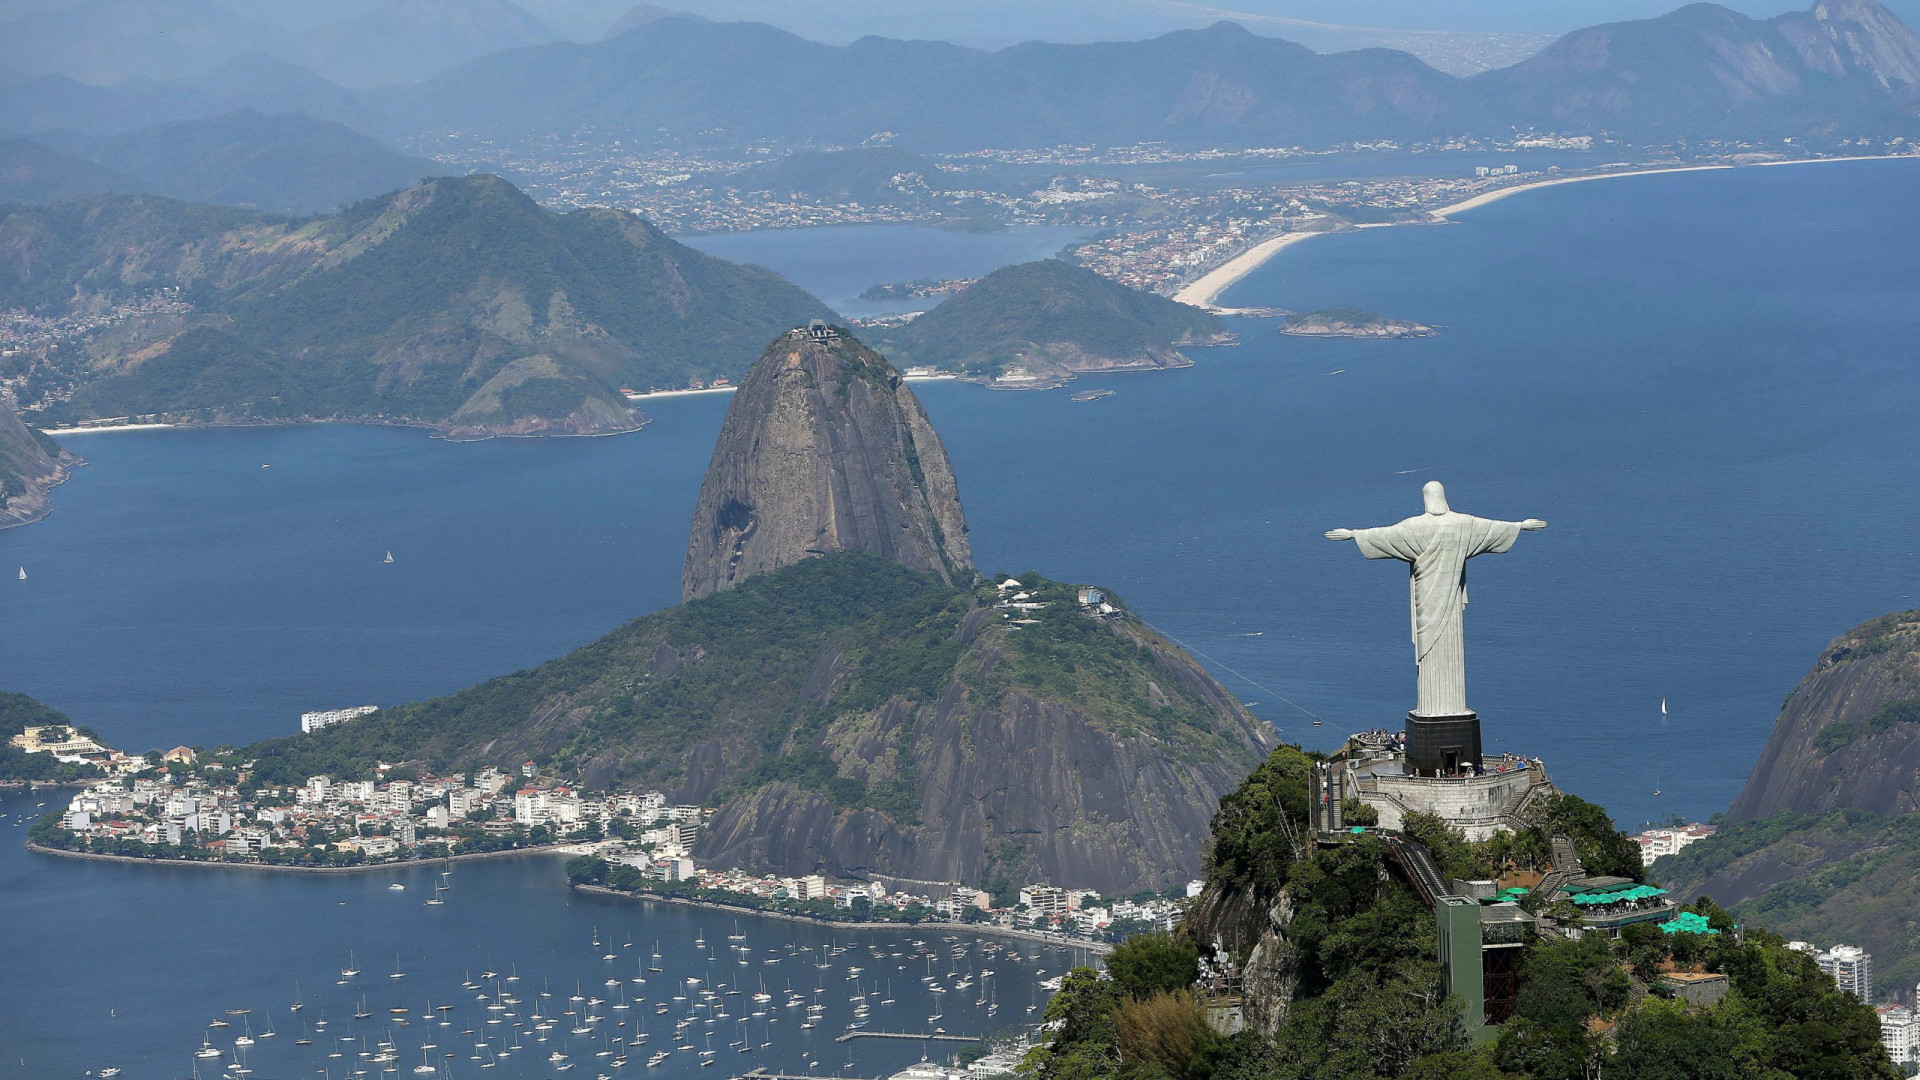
[(458, 303)]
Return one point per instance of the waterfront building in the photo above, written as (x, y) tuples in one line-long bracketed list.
[(314, 721), (1044, 899)]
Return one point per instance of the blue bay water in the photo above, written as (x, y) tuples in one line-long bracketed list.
[(130, 964), (838, 263), (1705, 381)]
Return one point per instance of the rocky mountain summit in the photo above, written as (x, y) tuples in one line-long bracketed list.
[(30, 464), (825, 449), (1822, 842), (841, 687), (1849, 735)]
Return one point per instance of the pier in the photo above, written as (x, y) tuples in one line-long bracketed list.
[(761, 1073), (765, 1075), (935, 1036)]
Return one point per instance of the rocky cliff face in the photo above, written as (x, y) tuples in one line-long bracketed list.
[(1849, 735), (847, 716), (825, 449), (30, 464), (1020, 783)]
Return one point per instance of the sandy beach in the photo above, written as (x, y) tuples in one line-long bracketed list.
[(681, 393), (1205, 290), (106, 427), (1497, 194)]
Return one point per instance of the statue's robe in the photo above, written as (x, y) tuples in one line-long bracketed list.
[(1437, 547)]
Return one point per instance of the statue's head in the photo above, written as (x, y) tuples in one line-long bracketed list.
[(1435, 497)]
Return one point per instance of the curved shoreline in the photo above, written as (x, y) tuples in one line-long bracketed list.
[(1205, 290), (1100, 947), (221, 864)]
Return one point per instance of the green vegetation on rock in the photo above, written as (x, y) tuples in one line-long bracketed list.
[(1844, 875), (1052, 318), (1339, 979), (404, 308), (19, 712), (828, 693)]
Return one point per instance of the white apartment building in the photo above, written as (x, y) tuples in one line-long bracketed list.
[(1851, 968), (1659, 843), (463, 801), (1897, 1031), (1044, 899), (314, 721)]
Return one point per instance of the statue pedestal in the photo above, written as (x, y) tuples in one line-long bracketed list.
[(1442, 745)]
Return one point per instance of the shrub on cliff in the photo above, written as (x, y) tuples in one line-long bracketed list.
[(1150, 964)]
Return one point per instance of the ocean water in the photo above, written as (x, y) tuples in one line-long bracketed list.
[(1706, 382), (838, 263), (131, 964)]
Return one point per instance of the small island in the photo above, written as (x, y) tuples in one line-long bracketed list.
[(1039, 325), (1352, 323)]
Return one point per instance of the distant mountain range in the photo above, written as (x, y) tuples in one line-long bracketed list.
[(1841, 69), (458, 303), (251, 80), (290, 164), (1845, 66), (106, 41)]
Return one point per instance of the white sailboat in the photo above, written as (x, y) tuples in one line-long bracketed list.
[(1663, 728), (23, 573), (389, 558)]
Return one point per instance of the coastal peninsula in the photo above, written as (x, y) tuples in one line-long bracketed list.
[(31, 464)]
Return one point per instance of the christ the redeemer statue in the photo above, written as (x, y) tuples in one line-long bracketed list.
[(1438, 544)]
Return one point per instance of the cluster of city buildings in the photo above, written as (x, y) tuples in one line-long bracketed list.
[(1852, 970), (20, 329), (1048, 909), (207, 809)]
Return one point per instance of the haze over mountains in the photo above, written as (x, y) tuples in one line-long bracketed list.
[(457, 303), (1702, 71), (289, 164), (106, 41)]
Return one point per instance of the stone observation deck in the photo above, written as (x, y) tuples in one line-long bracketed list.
[(1479, 804)]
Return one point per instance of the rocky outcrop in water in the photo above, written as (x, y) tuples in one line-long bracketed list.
[(1849, 735), (824, 449), (30, 465)]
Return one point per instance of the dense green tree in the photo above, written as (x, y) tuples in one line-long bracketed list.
[(584, 869), (1153, 963), (1664, 1040), (1086, 1043)]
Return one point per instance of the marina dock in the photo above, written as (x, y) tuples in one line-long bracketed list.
[(936, 1037), (765, 1075)]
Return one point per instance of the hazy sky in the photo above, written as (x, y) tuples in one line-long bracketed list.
[(995, 22)]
